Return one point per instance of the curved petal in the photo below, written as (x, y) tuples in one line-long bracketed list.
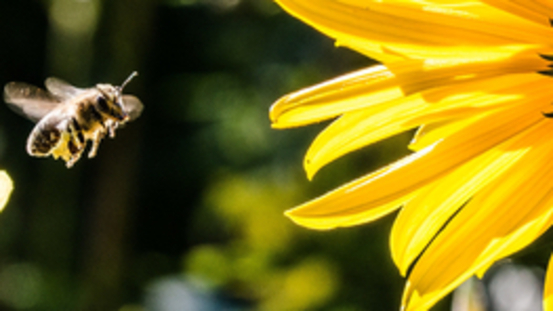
[(361, 200), (368, 88), (391, 30), (357, 129), (357, 90), (421, 218), (504, 217)]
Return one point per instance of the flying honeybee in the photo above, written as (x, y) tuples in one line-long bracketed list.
[(68, 117)]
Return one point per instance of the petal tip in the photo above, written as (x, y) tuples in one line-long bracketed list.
[(296, 216), (309, 168)]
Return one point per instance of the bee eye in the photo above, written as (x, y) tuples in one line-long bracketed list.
[(102, 103)]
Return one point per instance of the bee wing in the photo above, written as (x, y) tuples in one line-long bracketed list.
[(62, 89), (29, 101), (133, 106)]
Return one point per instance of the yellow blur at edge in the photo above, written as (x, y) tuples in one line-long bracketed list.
[(6, 187)]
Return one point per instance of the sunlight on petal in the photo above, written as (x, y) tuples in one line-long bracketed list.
[(358, 129), (489, 227), (534, 10), (421, 218), (409, 27), (369, 88)]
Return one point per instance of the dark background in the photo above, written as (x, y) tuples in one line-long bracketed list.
[(184, 208)]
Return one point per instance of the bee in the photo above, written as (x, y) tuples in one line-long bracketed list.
[(68, 117)]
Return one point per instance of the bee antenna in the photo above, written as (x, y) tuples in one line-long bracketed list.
[(131, 76)]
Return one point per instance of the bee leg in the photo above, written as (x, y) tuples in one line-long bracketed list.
[(98, 136), (70, 163), (73, 160), (111, 127), (75, 149)]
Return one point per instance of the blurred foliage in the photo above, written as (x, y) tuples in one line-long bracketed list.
[(185, 207)]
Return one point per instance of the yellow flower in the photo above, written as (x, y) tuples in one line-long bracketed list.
[(472, 77)]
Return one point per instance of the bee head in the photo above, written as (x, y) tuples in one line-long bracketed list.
[(109, 101)]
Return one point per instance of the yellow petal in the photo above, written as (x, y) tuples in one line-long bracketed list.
[(425, 215), (548, 290), (355, 130), (421, 218), (504, 217), (534, 10), (327, 100), (368, 88), (429, 134), (425, 29), (354, 203), (361, 200)]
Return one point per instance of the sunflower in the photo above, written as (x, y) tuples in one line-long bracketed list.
[(474, 79)]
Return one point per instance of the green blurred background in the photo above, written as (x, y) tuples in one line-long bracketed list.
[(185, 207)]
